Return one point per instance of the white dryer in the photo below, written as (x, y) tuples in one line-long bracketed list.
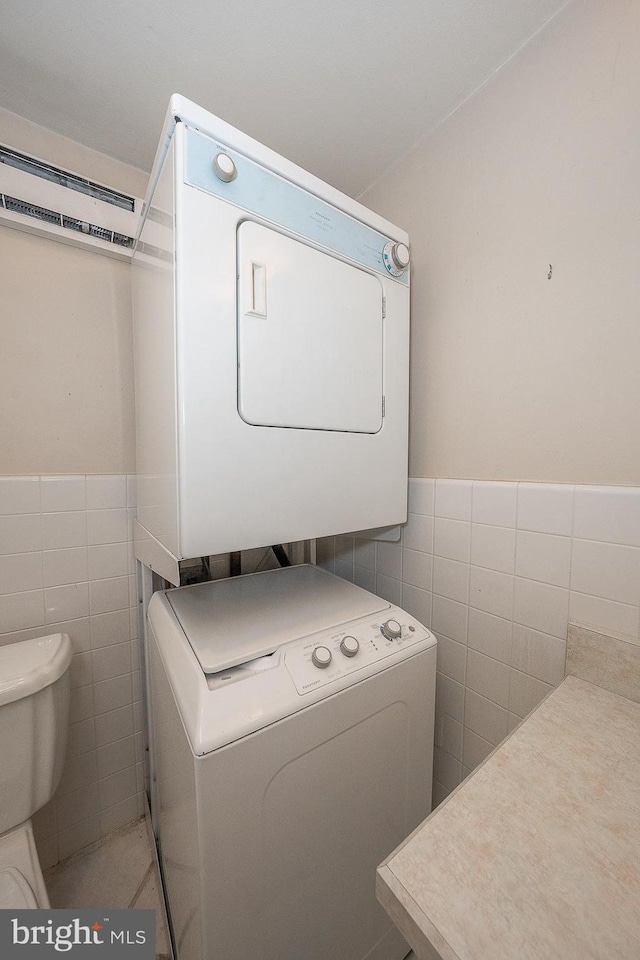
[(292, 738), (271, 318)]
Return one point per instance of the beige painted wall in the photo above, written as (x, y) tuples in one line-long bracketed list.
[(514, 375), (66, 366)]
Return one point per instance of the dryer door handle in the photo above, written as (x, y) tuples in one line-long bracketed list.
[(257, 299)]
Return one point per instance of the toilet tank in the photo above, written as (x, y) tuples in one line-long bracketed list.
[(34, 721)]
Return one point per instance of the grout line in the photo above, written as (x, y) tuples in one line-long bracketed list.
[(513, 597), (148, 872), (573, 540)]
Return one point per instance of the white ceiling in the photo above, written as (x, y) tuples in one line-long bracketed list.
[(342, 87)]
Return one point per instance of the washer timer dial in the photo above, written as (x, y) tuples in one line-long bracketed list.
[(391, 630)]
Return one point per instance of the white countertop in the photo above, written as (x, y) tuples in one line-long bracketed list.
[(537, 854)]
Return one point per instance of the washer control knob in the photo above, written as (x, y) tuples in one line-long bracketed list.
[(349, 646), (395, 257), (321, 657), (391, 630), (224, 167)]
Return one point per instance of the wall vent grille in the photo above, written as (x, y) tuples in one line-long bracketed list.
[(64, 179), (61, 220)]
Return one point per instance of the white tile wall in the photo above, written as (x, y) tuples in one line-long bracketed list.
[(496, 570), (66, 565)]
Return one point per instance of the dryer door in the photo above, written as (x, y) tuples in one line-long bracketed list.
[(310, 336)]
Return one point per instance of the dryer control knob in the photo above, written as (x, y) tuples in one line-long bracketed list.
[(349, 646), (391, 630), (321, 657), (395, 257), (224, 167)]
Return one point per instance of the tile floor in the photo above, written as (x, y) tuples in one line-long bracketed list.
[(116, 872)]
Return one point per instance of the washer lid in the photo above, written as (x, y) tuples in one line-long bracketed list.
[(31, 665), (228, 622)]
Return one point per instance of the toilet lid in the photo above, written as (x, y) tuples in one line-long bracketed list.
[(28, 666), (15, 891)]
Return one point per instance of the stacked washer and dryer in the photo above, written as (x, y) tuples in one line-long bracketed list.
[(291, 712)]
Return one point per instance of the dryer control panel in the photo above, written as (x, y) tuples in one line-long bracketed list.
[(335, 654), (225, 173)]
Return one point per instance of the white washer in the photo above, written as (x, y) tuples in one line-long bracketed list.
[(292, 738)]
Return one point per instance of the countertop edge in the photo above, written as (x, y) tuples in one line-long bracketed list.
[(414, 925)]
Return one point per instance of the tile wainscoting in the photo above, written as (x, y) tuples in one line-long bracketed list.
[(66, 565), (497, 570)]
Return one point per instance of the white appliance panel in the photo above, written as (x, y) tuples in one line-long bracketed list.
[(240, 485), (327, 452), (290, 870), (154, 310), (270, 836), (309, 336), (177, 811), (354, 787)]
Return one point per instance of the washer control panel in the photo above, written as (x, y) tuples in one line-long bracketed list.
[(330, 655)]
